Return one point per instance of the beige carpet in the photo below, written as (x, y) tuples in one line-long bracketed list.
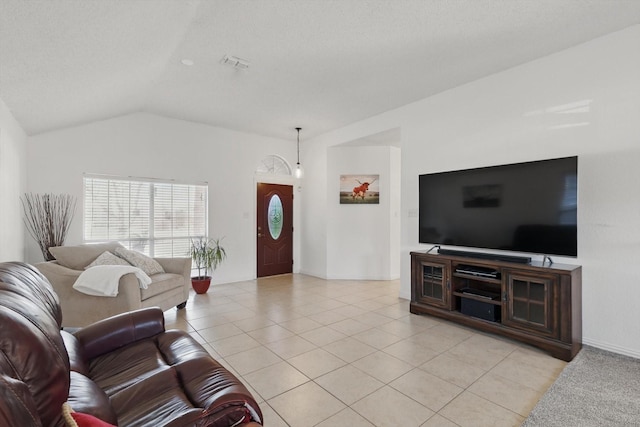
[(598, 388)]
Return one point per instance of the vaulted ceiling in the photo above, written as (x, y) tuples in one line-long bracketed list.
[(317, 64)]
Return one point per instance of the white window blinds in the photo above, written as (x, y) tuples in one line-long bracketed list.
[(155, 218)]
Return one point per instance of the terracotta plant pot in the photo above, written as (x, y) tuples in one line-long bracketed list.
[(201, 284)]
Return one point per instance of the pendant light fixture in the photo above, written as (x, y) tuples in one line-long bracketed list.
[(299, 173)]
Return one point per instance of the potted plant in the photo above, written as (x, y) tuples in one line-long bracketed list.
[(207, 255)]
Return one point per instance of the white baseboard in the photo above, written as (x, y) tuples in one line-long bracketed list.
[(312, 273), (612, 348), (370, 278)]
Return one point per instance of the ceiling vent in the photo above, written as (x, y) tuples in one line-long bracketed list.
[(235, 62)]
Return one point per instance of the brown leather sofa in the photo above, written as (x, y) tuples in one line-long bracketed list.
[(126, 370)]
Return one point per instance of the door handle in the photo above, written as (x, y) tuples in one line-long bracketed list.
[(259, 234)]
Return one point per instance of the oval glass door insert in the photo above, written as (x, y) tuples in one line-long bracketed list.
[(275, 215)]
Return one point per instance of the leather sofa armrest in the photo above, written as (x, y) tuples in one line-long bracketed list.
[(115, 332)]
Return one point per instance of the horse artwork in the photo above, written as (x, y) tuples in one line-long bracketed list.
[(359, 189)]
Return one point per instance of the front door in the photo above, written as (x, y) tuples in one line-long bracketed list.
[(274, 229)]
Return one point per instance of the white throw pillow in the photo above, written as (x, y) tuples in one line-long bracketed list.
[(107, 258), (143, 262)]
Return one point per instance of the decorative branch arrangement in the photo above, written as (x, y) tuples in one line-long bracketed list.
[(47, 218)]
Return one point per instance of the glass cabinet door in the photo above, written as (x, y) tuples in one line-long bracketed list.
[(529, 302), (433, 284)]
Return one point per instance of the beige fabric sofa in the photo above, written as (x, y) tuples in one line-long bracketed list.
[(168, 289)]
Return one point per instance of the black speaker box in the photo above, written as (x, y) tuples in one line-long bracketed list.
[(480, 309)]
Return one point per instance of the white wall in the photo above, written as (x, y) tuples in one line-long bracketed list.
[(146, 145), (316, 205), (12, 186), (583, 101), (363, 239), (395, 182)]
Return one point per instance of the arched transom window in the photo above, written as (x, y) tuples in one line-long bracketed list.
[(274, 165)]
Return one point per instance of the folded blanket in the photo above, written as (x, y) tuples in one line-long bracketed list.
[(102, 280)]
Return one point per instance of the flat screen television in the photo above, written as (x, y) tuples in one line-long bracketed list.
[(523, 207)]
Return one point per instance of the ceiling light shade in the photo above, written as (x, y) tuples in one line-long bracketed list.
[(299, 172)]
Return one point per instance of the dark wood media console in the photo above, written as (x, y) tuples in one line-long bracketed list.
[(540, 305)]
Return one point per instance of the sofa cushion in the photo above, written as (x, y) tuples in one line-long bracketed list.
[(78, 257), (143, 262), (158, 397), (161, 283), (126, 366), (171, 377), (85, 396), (107, 258)]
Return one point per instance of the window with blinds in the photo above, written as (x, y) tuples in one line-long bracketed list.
[(155, 218)]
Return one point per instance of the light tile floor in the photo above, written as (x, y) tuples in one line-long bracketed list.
[(339, 353)]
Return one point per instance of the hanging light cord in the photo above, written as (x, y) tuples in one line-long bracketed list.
[(298, 129)]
